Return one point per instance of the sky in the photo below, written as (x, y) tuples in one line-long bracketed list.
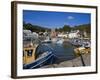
[(51, 19)]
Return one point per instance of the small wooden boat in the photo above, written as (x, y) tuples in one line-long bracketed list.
[(82, 50)]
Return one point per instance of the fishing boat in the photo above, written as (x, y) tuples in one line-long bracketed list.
[(60, 41), (46, 41), (84, 49), (54, 40), (46, 58)]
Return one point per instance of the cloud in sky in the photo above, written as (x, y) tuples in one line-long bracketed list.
[(70, 17)]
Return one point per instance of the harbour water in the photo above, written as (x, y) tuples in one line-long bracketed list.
[(63, 51)]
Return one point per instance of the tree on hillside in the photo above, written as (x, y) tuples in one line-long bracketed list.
[(34, 28), (66, 28), (84, 27)]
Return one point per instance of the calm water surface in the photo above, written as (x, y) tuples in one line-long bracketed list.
[(63, 51)]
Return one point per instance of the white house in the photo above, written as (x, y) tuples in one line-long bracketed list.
[(35, 35), (28, 34), (74, 34), (63, 35)]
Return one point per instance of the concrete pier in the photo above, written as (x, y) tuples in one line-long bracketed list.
[(73, 63)]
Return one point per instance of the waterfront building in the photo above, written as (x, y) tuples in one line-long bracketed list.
[(28, 35), (53, 33), (63, 35), (74, 34)]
